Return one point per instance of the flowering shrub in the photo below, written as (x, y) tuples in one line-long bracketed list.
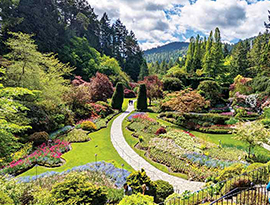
[(88, 125), (48, 155), (161, 130)]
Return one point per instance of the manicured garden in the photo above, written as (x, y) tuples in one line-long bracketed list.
[(193, 155), (97, 142)]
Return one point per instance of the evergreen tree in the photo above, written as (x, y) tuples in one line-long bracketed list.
[(207, 60), (41, 18), (118, 97), (226, 50), (197, 55), (143, 70), (217, 55), (189, 57), (239, 60), (106, 35), (142, 98)]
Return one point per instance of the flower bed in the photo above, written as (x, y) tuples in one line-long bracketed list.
[(117, 175), (45, 155), (140, 116)]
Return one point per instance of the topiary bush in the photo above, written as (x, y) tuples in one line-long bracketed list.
[(76, 189), (163, 190), (39, 138), (137, 199), (142, 98), (172, 84), (88, 125), (5, 199), (118, 97), (137, 178)]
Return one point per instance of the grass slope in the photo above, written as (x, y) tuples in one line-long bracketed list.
[(83, 153)]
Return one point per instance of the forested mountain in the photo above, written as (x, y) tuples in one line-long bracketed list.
[(72, 30), (166, 52)]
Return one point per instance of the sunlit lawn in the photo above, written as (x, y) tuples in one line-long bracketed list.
[(83, 153)]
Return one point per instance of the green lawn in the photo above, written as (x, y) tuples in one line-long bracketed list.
[(132, 141), (83, 153), (226, 140)]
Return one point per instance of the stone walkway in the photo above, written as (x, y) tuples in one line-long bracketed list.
[(137, 162)]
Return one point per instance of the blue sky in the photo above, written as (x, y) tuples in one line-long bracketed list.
[(156, 22)]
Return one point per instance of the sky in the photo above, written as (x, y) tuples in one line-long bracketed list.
[(158, 22)]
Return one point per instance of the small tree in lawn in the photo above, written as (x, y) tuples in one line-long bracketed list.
[(142, 98), (118, 97), (252, 133)]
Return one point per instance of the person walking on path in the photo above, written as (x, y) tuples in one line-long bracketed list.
[(127, 190)]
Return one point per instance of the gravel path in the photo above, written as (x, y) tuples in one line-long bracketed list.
[(137, 162)]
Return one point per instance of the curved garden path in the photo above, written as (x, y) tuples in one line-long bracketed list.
[(137, 162)]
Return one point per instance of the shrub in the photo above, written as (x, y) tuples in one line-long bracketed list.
[(118, 97), (129, 93), (114, 195), (187, 100), (137, 199), (77, 135), (266, 122), (230, 172), (161, 130), (142, 98), (164, 189), (137, 178), (172, 84), (76, 189), (232, 121), (5, 199), (39, 137), (210, 90), (61, 131), (254, 166), (88, 125)]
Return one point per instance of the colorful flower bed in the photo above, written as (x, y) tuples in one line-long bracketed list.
[(117, 175), (203, 160), (46, 155), (140, 116)]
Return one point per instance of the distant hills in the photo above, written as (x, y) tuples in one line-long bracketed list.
[(166, 52)]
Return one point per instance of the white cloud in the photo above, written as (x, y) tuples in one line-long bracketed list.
[(156, 22), (235, 18)]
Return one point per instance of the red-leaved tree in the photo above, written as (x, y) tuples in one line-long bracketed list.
[(154, 87), (100, 88)]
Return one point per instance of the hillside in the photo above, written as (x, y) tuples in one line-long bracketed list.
[(166, 52)]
